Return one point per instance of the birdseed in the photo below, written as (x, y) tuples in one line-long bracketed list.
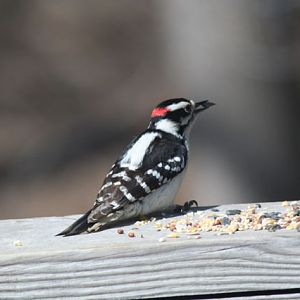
[(254, 217), (131, 234), (230, 212), (18, 243), (173, 235)]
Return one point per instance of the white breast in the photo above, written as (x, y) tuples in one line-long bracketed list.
[(163, 197)]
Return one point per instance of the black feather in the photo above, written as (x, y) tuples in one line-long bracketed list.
[(78, 226)]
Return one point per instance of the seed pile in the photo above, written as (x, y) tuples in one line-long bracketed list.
[(252, 218), (236, 220)]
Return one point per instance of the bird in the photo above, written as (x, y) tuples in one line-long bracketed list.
[(146, 177)]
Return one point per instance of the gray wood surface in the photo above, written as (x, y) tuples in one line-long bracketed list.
[(106, 265)]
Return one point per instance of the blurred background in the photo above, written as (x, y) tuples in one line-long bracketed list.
[(78, 80)]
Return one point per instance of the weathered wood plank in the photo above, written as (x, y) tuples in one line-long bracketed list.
[(106, 265)]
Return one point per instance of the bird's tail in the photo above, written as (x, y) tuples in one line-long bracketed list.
[(78, 226)]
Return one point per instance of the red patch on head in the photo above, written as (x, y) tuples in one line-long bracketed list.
[(159, 112)]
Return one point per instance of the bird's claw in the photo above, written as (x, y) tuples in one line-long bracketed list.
[(186, 206)]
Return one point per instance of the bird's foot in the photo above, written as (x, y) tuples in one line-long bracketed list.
[(185, 207)]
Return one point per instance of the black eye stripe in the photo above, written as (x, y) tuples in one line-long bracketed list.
[(188, 108), (178, 113)]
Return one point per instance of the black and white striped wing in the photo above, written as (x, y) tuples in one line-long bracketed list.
[(124, 186)]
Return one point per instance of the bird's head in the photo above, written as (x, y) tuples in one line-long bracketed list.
[(175, 116)]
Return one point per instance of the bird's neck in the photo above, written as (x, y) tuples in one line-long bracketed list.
[(167, 126)]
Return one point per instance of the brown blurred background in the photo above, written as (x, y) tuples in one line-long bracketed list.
[(78, 80)]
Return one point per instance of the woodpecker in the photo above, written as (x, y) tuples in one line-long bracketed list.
[(146, 177)]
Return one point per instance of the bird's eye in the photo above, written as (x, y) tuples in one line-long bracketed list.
[(188, 109)]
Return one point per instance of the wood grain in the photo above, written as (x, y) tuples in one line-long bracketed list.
[(107, 265)]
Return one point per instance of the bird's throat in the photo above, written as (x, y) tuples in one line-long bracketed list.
[(167, 126)]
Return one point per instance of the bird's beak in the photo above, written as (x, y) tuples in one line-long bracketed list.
[(202, 105)]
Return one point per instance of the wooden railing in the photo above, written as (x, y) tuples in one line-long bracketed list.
[(155, 263)]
